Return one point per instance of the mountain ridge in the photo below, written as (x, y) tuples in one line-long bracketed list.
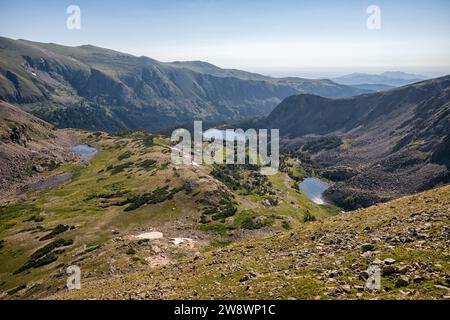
[(101, 89)]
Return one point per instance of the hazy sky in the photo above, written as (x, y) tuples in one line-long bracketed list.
[(304, 38)]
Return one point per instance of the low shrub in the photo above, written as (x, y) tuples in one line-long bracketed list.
[(16, 289), (249, 223), (147, 164), (60, 228), (125, 155), (325, 143), (35, 218), (307, 217), (119, 168), (286, 224), (148, 141), (45, 255)]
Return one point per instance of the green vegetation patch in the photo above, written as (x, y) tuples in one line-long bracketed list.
[(52, 165), (148, 140), (125, 155), (297, 164), (252, 223), (106, 195), (146, 137), (308, 217), (219, 205), (35, 218), (119, 168), (10, 215), (243, 177)]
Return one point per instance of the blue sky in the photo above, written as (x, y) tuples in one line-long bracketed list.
[(305, 38)]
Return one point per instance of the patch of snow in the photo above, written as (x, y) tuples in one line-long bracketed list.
[(150, 235)]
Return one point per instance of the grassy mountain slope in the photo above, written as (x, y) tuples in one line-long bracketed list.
[(95, 88), (407, 238)]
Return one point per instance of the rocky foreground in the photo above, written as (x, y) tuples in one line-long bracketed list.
[(406, 240)]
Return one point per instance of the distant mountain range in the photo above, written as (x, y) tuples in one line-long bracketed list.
[(389, 79), (100, 89), (391, 143)]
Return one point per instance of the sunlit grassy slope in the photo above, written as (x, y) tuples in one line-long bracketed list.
[(93, 218)]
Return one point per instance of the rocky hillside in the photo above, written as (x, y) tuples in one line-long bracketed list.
[(407, 240), (28, 146), (94, 88), (390, 143)]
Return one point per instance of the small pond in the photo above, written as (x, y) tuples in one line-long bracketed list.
[(84, 151), (314, 188)]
